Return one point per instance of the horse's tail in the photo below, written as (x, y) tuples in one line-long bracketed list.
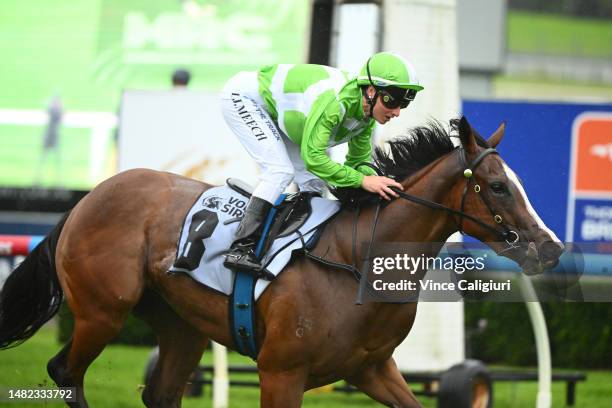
[(31, 294)]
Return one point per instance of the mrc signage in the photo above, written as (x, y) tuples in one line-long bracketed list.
[(214, 38)]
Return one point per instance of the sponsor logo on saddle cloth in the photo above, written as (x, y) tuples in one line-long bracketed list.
[(206, 236)]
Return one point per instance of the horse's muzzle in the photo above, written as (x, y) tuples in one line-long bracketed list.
[(542, 258)]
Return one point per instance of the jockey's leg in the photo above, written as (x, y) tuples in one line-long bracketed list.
[(244, 111), (305, 180), (241, 255), (313, 184)]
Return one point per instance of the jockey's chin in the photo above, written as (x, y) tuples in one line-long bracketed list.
[(383, 114), (383, 120)]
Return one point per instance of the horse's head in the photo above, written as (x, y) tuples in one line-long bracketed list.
[(492, 193)]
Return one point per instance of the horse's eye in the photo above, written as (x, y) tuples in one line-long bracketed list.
[(499, 188)]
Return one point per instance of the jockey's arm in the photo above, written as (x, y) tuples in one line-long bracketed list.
[(360, 151), (314, 145)]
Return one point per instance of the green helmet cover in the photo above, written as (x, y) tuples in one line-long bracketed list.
[(389, 69)]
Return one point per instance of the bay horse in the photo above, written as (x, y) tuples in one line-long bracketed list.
[(110, 256)]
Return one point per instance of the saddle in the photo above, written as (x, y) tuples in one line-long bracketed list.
[(290, 215)]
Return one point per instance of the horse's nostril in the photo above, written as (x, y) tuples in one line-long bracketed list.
[(550, 250)]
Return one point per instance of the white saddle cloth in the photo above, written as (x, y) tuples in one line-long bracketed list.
[(205, 224)]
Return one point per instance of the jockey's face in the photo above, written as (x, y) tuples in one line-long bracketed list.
[(381, 113)]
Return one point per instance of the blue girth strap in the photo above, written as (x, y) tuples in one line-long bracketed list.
[(242, 299)]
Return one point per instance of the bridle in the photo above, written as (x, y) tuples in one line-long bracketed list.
[(511, 237)]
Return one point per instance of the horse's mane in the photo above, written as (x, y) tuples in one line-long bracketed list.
[(407, 154)]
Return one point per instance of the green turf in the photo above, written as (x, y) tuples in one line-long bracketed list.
[(115, 380), (559, 35)]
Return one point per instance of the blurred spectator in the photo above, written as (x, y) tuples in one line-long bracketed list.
[(180, 78), (51, 136)]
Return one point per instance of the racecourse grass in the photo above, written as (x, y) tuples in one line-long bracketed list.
[(115, 380)]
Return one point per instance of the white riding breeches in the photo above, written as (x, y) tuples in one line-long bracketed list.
[(278, 157)]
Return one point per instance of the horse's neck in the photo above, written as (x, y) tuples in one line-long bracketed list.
[(400, 222), (406, 221), (418, 231)]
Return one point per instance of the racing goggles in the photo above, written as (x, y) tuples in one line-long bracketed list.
[(394, 97)]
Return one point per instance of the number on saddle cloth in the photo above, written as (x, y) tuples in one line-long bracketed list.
[(202, 226)]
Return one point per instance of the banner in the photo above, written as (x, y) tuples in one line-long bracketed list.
[(589, 209), (563, 154)]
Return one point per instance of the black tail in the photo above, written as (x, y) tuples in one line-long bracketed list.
[(31, 294)]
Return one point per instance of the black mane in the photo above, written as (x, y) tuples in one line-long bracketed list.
[(406, 155)]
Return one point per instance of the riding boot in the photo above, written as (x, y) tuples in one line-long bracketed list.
[(241, 255)]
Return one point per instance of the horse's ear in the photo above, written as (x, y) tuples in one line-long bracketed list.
[(497, 136), (467, 137)]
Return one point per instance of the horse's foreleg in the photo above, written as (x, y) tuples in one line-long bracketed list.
[(180, 349), (179, 355), (282, 389), (384, 383)]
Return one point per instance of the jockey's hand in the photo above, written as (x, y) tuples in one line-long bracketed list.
[(381, 185)]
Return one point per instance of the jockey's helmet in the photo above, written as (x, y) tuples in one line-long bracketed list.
[(393, 77)]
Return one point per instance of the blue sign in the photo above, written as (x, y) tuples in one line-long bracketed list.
[(545, 144)]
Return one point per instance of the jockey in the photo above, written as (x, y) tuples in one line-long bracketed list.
[(287, 116)]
